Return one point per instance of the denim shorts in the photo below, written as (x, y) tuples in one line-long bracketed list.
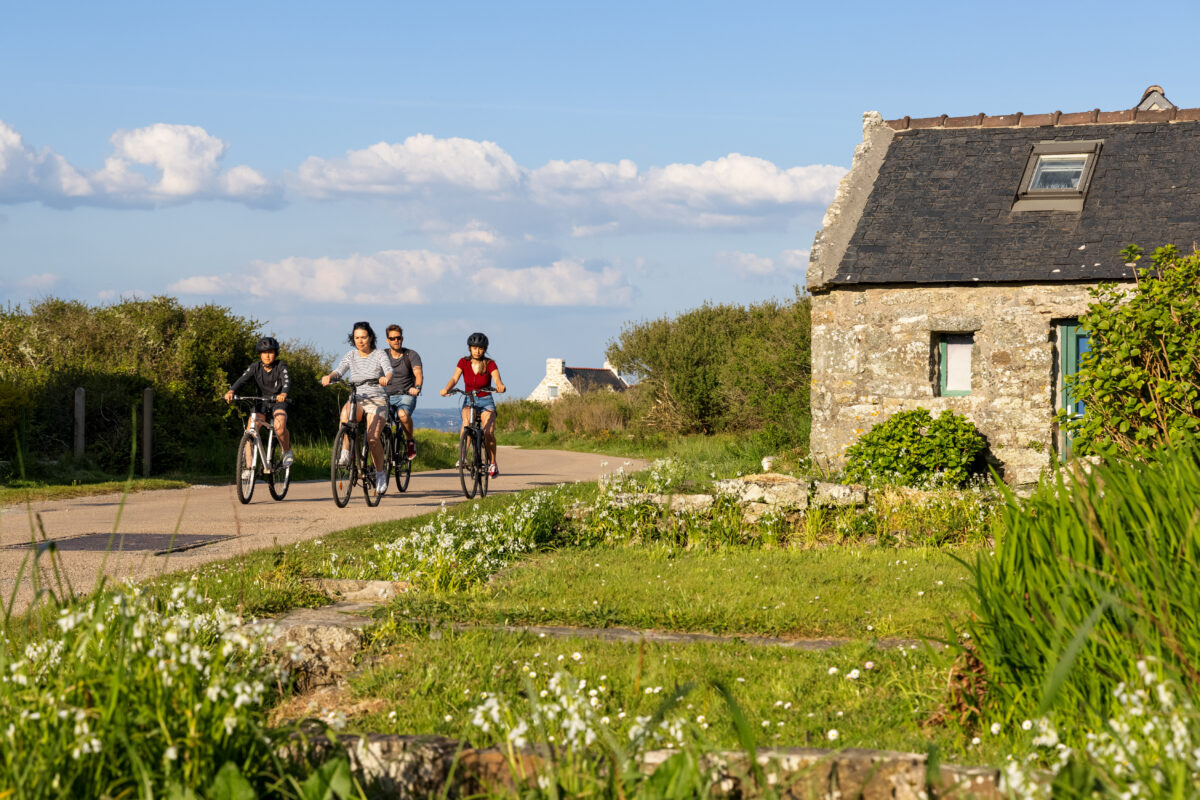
[(482, 403), (403, 401)]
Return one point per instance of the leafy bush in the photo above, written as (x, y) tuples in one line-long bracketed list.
[(912, 448), (722, 367), (187, 355), (1094, 573), (1140, 381)]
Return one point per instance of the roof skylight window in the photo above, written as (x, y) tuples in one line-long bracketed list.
[(1057, 175)]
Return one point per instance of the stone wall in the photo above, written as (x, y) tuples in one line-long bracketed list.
[(873, 353)]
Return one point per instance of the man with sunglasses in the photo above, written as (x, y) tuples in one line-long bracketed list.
[(405, 385)]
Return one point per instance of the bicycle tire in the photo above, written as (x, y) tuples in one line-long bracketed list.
[(244, 476), (466, 464), (401, 466), (385, 443), (367, 470), (484, 462), (342, 478), (279, 478)]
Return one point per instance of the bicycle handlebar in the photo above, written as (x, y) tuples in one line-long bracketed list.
[(476, 392), (265, 399)]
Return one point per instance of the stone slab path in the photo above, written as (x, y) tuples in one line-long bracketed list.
[(216, 526)]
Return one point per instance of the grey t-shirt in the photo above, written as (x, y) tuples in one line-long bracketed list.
[(402, 370), (365, 371)]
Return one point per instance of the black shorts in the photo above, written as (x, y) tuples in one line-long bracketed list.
[(268, 409)]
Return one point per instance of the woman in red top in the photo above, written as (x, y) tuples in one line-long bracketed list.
[(477, 372)]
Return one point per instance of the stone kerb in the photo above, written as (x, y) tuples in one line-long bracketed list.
[(393, 765)]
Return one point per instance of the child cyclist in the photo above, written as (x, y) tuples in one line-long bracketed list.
[(271, 376), (477, 371)]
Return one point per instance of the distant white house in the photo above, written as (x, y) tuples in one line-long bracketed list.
[(562, 380)]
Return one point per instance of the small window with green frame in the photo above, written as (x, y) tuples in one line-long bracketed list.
[(954, 352)]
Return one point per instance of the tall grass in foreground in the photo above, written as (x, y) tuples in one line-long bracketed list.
[(1095, 571)]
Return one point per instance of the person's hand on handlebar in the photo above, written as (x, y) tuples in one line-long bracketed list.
[(325, 379), (229, 397)]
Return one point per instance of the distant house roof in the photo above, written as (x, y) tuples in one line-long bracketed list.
[(586, 379), (941, 209)]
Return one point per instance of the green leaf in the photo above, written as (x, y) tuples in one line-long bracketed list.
[(230, 784), (331, 780)]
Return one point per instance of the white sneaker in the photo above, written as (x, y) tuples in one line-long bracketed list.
[(247, 475), (344, 459), (381, 482), (288, 458)]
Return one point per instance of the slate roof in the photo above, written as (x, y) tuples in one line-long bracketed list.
[(586, 379), (940, 210)]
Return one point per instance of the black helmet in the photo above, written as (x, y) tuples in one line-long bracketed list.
[(267, 344), (477, 339)]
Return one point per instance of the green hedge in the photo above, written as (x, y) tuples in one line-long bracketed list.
[(187, 355)]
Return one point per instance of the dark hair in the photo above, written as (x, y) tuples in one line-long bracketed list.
[(365, 326), (396, 328)]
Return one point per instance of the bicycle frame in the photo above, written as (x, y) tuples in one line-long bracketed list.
[(261, 455)]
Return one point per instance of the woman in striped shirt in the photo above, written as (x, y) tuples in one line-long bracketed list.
[(369, 370)]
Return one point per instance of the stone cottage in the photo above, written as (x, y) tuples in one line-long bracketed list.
[(562, 380), (953, 265)]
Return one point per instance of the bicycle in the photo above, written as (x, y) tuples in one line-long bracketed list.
[(473, 458), (400, 466), (360, 469), (253, 456)]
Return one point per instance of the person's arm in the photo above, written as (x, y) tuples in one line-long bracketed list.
[(495, 375), (385, 364), (285, 383), (339, 370), (453, 380), (418, 380), (233, 389)]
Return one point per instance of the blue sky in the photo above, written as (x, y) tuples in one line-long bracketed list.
[(544, 172)]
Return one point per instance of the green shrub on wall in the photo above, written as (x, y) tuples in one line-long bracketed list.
[(1140, 380), (914, 449)]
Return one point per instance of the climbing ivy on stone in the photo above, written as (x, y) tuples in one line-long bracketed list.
[(1140, 380), (912, 448)]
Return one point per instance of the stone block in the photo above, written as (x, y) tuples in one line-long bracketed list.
[(389, 765), (691, 503), (839, 494)]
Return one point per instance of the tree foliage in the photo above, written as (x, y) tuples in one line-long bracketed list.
[(187, 355), (1140, 380), (723, 367)]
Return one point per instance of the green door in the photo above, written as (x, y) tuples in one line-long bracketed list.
[(1072, 344)]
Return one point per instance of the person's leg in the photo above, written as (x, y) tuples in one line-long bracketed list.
[(488, 423), (346, 457), (374, 426), (251, 426), (281, 430)]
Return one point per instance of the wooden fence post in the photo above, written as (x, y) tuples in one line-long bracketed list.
[(79, 394), (147, 429)]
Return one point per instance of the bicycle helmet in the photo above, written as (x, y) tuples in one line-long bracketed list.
[(267, 344), (477, 339)]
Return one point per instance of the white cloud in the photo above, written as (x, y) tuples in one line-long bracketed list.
[(157, 164), (420, 160), (387, 277), (394, 277), (580, 197), (795, 260), (746, 264), (563, 283), (38, 283)]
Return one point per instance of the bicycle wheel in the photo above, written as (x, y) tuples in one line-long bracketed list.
[(343, 476), (279, 477), (244, 476), (367, 465), (484, 461), (467, 472), (401, 466)]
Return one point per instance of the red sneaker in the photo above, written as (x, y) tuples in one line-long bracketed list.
[(492, 471), (412, 449)]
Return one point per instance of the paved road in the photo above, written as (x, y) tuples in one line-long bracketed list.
[(217, 526)]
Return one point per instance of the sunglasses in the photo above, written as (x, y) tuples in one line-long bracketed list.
[(395, 338)]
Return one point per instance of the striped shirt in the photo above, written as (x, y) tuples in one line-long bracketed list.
[(368, 368)]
